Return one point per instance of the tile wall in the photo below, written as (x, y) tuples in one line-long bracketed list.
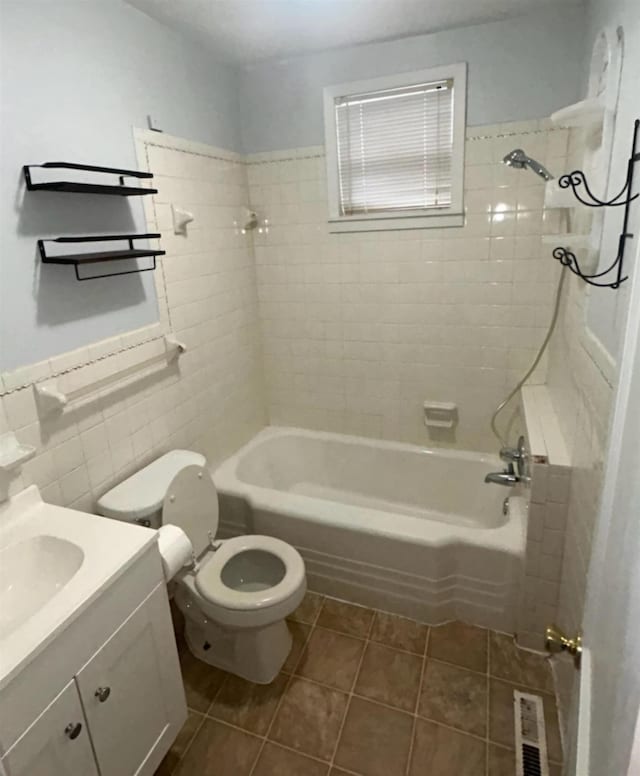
[(546, 538), (583, 394), (581, 379), (211, 400), (360, 329)]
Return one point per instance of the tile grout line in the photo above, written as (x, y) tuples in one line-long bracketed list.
[(216, 693), (373, 702), (417, 703), (358, 696), (284, 690), (457, 665), (191, 740), (487, 705), (373, 641), (351, 691)]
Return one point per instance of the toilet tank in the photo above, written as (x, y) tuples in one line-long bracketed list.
[(139, 498)]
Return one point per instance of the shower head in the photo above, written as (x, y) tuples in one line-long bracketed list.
[(519, 161)]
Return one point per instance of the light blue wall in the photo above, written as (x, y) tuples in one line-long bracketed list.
[(76, 77), (518, 69)]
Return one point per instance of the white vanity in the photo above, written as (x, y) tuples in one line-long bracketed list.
[(90, 682)]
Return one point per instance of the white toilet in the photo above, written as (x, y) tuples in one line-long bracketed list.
[(237, 592)]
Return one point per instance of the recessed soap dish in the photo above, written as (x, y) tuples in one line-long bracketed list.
[(440, 414), (12, 453)]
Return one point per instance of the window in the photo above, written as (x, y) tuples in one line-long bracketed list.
[(395, 151)]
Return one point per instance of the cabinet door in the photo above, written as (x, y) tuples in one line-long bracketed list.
[(56, 744), (132, 692)]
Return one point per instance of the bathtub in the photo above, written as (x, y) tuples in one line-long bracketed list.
[(397, 527)]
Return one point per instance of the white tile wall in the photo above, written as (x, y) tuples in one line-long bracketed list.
[(580, 383), (360, 329), (546, 535), (547, 491), (212, 400)]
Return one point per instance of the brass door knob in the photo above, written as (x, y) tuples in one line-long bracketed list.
[(556, 641)]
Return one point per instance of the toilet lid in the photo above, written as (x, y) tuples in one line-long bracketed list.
[(142, 494), (191, 503)]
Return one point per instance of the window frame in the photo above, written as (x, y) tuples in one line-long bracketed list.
[(450, 216)]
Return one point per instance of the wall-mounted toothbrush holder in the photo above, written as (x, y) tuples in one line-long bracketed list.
[(180, 218), (612, 276), (440, 414)]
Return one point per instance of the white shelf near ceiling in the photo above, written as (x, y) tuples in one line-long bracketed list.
[(586, 114)]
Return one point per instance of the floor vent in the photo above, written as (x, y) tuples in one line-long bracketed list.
[(531, 739)]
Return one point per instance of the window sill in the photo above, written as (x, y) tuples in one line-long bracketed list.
[(393, 223)]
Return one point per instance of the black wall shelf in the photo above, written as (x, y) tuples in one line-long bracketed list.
[(78, 187), (95, 257)]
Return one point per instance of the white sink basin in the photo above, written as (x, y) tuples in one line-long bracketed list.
[(32, 572), (53, 563)]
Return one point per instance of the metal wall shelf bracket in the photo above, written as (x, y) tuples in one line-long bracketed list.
[(96, 257), (82, 187), (578, 183)]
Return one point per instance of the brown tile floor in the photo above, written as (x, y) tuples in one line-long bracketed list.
[(367, 694)]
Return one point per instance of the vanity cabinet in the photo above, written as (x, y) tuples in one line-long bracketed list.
[(57, 744), (128, 692), (122, 703)]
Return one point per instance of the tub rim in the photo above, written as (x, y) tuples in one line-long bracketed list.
[(509, 537)]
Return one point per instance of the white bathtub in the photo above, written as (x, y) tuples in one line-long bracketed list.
[(397, 527)]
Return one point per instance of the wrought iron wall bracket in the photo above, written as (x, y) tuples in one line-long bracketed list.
[(578, 183)]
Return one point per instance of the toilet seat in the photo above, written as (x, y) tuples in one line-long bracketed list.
[(209, 578)]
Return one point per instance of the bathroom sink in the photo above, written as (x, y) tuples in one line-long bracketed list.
[(32, 572), (54, 562)]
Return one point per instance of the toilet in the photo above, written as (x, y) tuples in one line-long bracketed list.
[(236, 593)]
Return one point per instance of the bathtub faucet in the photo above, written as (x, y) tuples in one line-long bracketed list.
[(508, 477), (512, 455)]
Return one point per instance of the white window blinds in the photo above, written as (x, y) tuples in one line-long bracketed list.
[(395, 148)]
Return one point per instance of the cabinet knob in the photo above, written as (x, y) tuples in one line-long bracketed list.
[(102, 693), (73, 730)]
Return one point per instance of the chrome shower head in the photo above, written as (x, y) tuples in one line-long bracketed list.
[(519, 161)]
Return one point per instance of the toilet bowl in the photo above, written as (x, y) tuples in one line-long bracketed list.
[(236, 593)]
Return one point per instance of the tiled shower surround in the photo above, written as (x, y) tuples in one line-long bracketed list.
[(360, 329)]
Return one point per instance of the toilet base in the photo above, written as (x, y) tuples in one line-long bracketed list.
[(253, 654)]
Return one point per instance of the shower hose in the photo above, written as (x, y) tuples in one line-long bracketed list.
[(536, 360)]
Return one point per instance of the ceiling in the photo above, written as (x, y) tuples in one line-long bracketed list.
[(245, 31)]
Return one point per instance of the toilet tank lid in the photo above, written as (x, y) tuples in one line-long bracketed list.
[(142, 494)]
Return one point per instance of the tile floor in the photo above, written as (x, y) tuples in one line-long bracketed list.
[(367, 694)]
